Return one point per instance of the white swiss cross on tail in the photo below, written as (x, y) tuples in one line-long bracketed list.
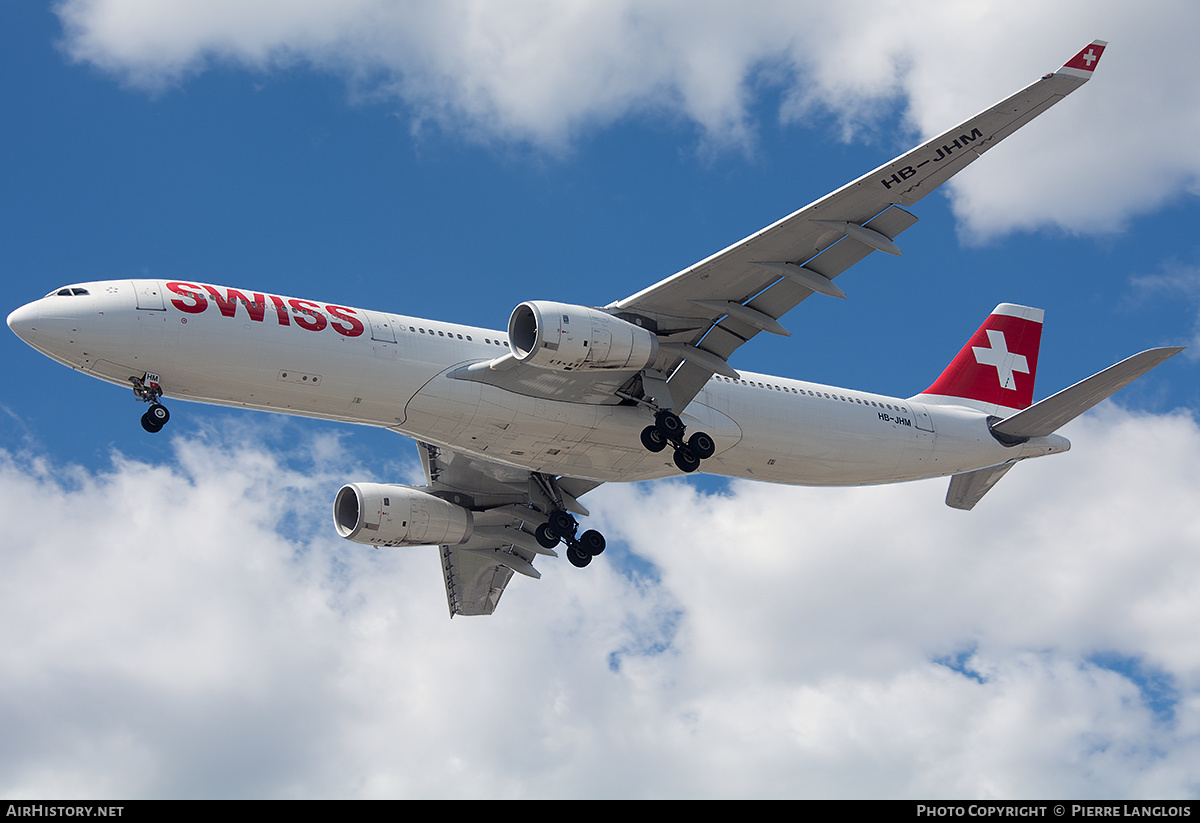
[(998, 355), (994, 372)]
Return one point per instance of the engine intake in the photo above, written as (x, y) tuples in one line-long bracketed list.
[(569, 338), (386, 515)]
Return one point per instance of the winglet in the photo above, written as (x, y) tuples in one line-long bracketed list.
[(1083, 64)]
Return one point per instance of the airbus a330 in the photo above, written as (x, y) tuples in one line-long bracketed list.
[(514, 427)]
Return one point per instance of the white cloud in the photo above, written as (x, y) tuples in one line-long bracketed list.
[(544, 72), (195, 629), (1181, 281)]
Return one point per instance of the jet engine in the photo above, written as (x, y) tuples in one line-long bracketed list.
[(569, 338), (386, 515)]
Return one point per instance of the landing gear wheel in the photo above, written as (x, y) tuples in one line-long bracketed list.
[(669, 425), (686, 460), (592, 543), (578, 559), (653, 439), (702, 445), (546, 536), (155, 418), (562, 523)]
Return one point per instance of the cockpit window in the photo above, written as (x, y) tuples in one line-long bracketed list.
[(67, 292)]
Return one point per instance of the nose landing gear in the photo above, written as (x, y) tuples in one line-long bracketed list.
[(148, 390), (668, 430), (155, 418)]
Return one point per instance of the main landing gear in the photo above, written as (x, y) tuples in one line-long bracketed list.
[(668, 430), (561, 526), (148, 391)]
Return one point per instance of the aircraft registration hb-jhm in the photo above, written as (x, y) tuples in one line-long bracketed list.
[(514, 428)]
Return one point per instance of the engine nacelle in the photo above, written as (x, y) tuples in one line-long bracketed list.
[(568, 338), (385, 515)]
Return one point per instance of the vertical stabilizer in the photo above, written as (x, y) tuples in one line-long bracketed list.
[(995, 371)]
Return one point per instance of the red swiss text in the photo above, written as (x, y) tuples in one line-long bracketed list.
[(195, 298)]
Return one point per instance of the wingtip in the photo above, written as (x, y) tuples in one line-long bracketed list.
[(1167, 352), (1161, 352), (1083, 64)]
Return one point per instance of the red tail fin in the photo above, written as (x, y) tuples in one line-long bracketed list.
[(996, 369)]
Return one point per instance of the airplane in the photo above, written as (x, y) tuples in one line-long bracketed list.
[(514, 427)]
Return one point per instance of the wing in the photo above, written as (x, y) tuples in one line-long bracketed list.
[(701, 315), (707, 311), (507, 505)]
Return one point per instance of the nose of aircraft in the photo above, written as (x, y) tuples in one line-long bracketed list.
[(23, 321)]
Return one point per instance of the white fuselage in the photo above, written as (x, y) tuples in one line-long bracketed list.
[(262, 351)]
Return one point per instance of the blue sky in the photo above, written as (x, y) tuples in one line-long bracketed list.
[(448, 162)]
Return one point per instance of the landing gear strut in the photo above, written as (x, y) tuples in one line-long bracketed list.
[(561, 526), (148, 391), (668, 430)]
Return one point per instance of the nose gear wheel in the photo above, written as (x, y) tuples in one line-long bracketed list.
[(155, 417), (148, 391)]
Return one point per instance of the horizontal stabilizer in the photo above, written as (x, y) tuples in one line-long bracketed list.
[(1049, 415), (967, 488)]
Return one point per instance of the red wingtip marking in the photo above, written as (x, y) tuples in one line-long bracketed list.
[(1087, 59)]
